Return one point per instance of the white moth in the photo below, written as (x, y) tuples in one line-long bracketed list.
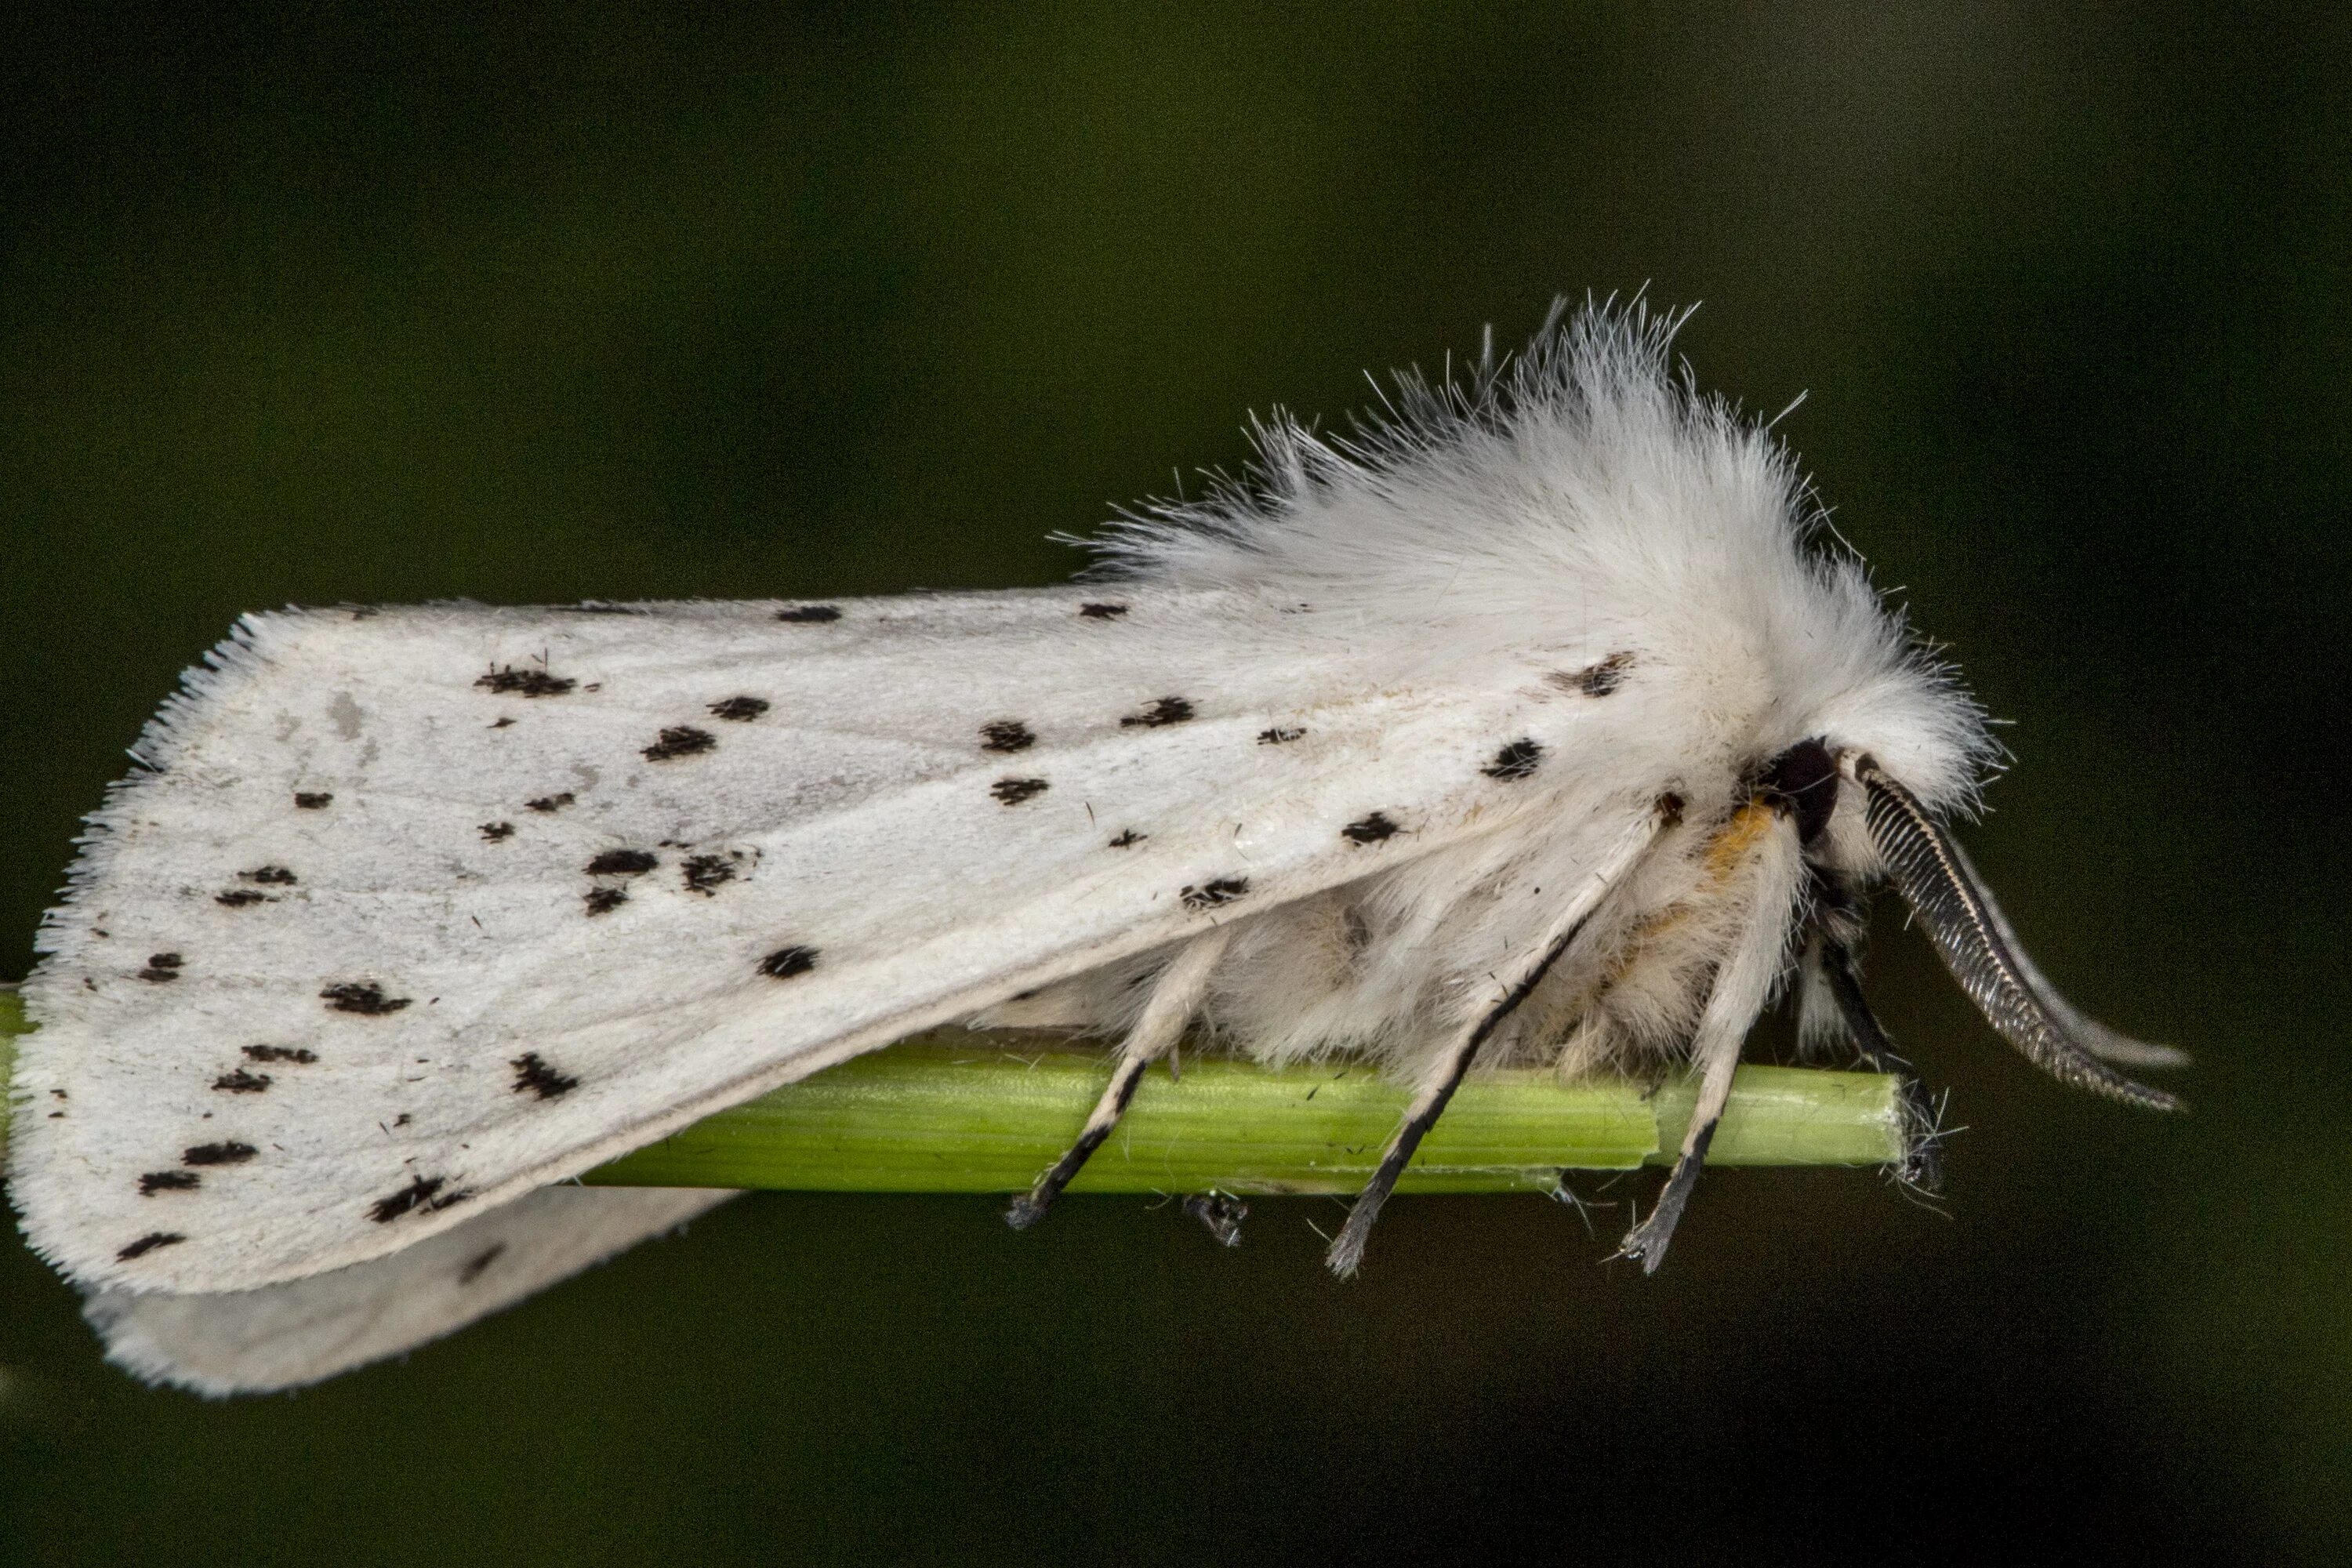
[(1530, 724)]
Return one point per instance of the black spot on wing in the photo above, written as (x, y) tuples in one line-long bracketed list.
[(230, 1153), (268, 876), (294, 1053), (240, 1081), (148, 1243), (810, 613), (738, 709), (1370, 829), (501, 722), (1209, 895), (534, 1076), (623, 863), (1166, 710), (155, 1182), (1598, 680), (312, 800), (507, 680), (679, 740), (1006, 735), (787, 962), (604, 900), (238, 898), (1126, 837), (1102, 612), (492, 832), (548, 803), (706, 873), (364, 997), (1517, 759), (479, 1261), (1280, 735), (1013, 792), (163, 968), (422, 1193)]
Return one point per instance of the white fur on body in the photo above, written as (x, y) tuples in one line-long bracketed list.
[(1378, 713)]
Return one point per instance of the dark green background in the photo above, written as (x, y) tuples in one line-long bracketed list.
[(847, 301)]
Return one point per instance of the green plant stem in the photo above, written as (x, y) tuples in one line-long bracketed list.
[(956, 1112)]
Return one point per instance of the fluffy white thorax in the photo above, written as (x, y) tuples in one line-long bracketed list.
[(1580, 498)]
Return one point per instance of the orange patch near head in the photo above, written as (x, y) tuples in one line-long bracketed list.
[(1730, 846)]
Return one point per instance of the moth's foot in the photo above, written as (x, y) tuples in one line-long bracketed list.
[(1646, 1242), (1030, 1206), (1222, 1215), (1920, 1166), (1347, 1254)]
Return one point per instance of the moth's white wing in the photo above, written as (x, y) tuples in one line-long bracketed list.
[(283, 1336), (428, 909)]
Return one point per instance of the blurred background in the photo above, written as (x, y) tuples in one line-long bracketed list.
[(850, 299)]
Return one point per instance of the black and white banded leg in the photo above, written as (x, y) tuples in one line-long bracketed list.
[(1175, 997), (1922, 1165), (1347, 1252), (1742, 986)]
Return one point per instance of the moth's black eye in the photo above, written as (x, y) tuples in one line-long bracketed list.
[(1806, 777)]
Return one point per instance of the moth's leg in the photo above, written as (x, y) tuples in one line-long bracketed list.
[(1220, 1215), (1742, 986), (1347, 1253), (1175, 997), (1647, 1241), (1922, 1165)]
